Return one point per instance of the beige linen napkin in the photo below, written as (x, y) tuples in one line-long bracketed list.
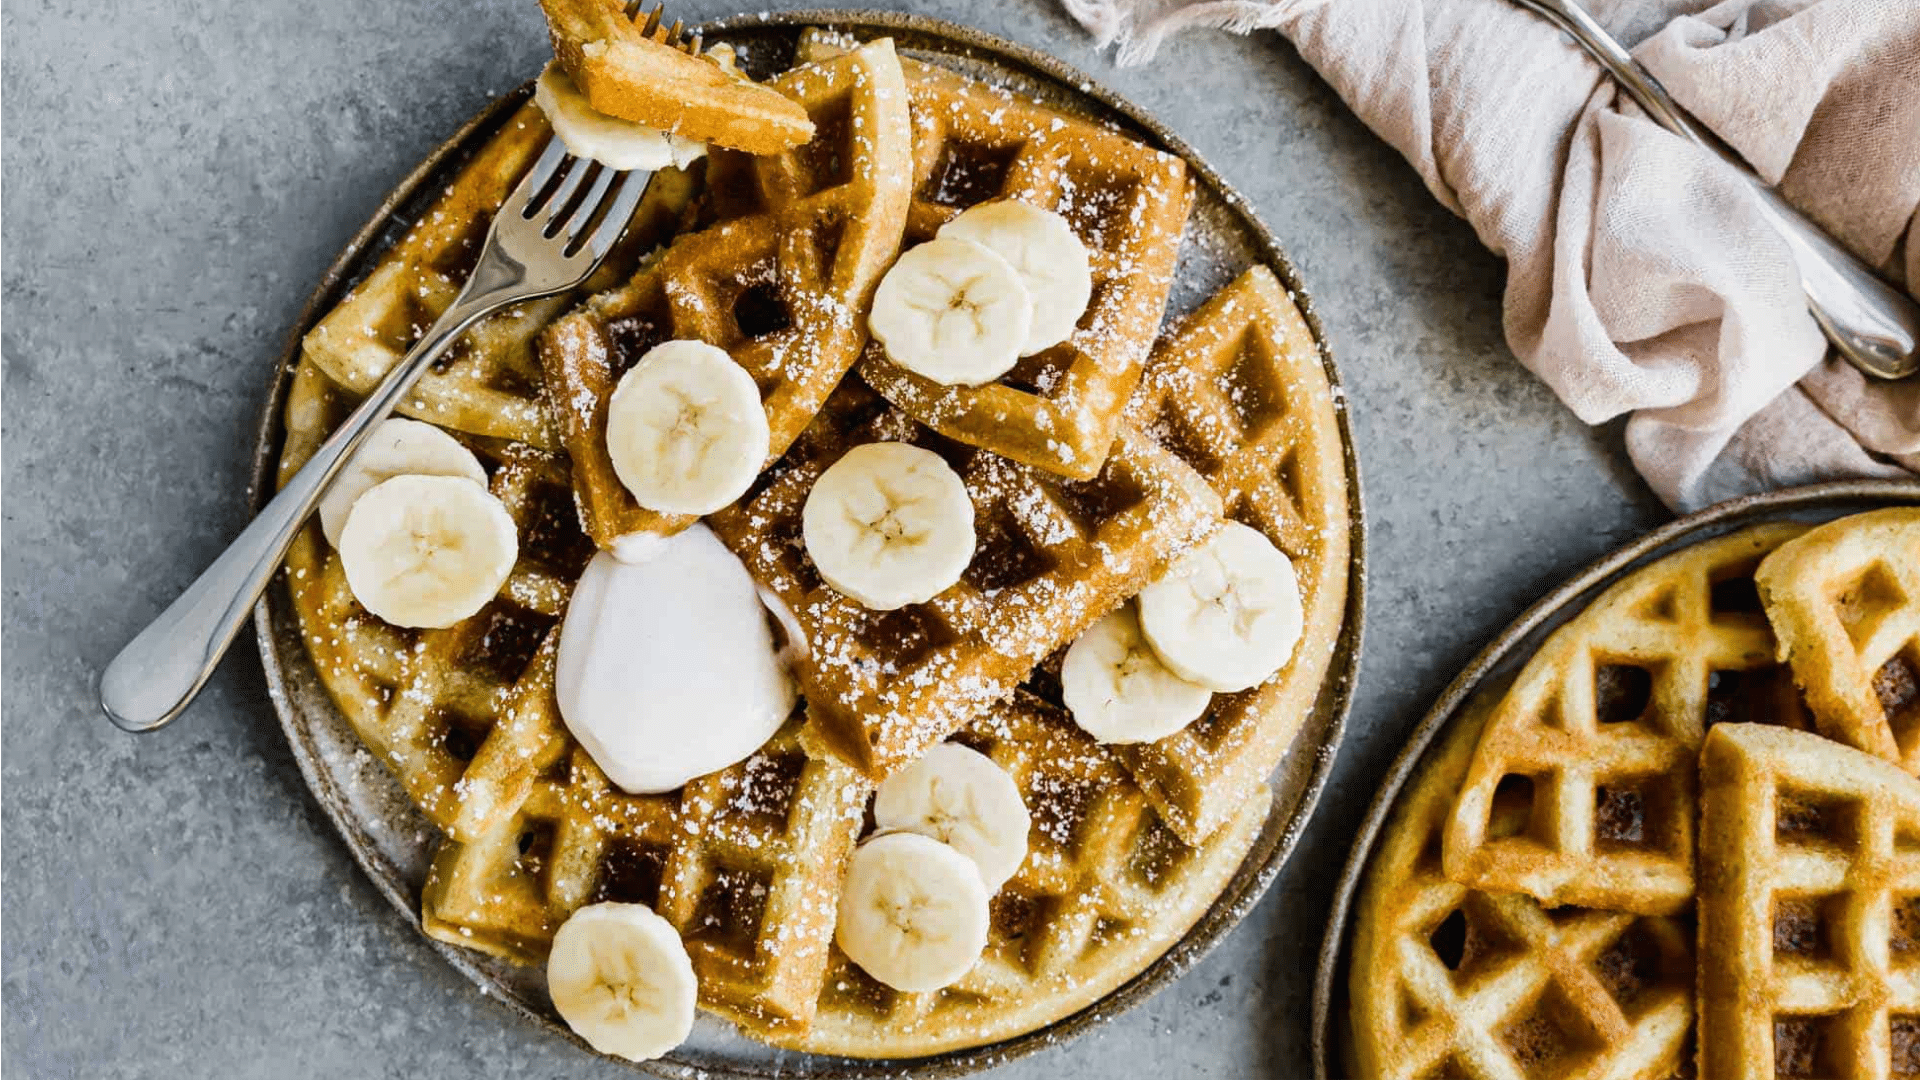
[(1641, 276)]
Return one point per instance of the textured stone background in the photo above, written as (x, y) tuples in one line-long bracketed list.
[(177, 175)]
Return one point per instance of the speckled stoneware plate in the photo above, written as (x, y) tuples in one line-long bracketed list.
[(393, 843), (1487, 675)]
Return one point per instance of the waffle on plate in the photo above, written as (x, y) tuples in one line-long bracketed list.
[(1078, 500), (1652, 781)]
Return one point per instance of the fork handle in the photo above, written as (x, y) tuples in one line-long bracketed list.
[(1874, 326), (161, 670)]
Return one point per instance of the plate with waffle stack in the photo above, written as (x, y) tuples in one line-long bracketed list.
[(901, 607), (1667, 824)]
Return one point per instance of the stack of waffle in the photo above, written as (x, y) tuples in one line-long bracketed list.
[(1711, 765), (774, 260)]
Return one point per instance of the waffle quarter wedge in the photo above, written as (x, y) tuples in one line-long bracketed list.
[(1238, 392), (1599, 733), (743, 862), (1449, 981), (464, 717), (780, 278), (1809, 909), (1051, 555), (1845, 602), (1106, 887), (489, 383), (1059, 409)]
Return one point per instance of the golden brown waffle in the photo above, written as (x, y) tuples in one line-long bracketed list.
[(627, 72), (1598, 736), (1052, 555), (745, 863), (1809, 909), (464, 717), (1239, 393), (974, 143), (1845, 601), (781, 280), (489, 382), (1448, 981), (1106, 888)]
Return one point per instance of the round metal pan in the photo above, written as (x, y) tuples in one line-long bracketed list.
[(1487, 674), (392, 843)]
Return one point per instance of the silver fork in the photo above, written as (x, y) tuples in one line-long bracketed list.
[(1874, 326), (546, 238)]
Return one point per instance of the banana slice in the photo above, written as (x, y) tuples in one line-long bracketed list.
[(1228, 615), (620, 977), (609, 140), (953, 311), (685, 429), (396, 448), (427, 551), (1119, 691), (889, 524), (961, 798), (913, 912), (1049, 257)]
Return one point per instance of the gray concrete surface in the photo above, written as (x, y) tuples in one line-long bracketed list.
[(178, 173)]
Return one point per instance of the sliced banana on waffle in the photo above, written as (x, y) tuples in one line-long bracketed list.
[(685, 429), (621, 979), (913, 912), (1228, 614), (953, 311), (398, 447), (1117, 689), (613, 142), (427, 551), (963, 799), (889, 524), (1042, 248)]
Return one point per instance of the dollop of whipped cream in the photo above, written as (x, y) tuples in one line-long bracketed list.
[(667, 667)]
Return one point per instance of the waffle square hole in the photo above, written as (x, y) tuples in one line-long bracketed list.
[(905, 635), (1812, 819), (1513, 802), (552, 533), (1897, 687), (1903, 1038), (1867, 600), (1470, 941), (1734, 595), (1182, 436), (1005, 557), (1805, 927), (1905, 931), (1099, 208), (1765, 695), (969, 173), (825, 157), (1094, 502), (1806, 1047), (1248, 387), (1639, 962), (631, 337), (462, 735), (1157, 854), (1659, 606), (534, 850), (1057, 818), (1633, 814), (761, 791), (730, 910), (508, 638), (630, 872), (1552, 1038), (1622, 692)]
